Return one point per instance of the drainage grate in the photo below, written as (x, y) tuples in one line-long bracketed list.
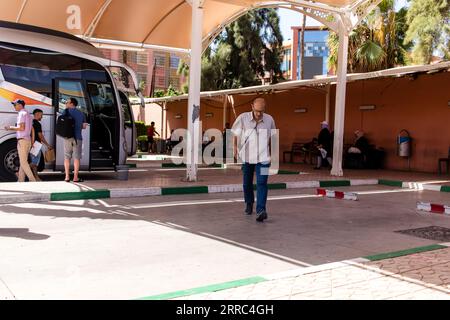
[(431, 233)]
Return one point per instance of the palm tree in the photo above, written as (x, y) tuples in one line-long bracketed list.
[(377, 43)]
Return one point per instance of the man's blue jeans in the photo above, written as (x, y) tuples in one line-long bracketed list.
[(262, 175)]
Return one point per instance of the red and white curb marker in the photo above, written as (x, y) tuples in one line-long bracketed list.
[(337, 194), (434, 208)]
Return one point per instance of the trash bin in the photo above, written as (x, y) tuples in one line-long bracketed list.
[(122, 172), (404, 144)]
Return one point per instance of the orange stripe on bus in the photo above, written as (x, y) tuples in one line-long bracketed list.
[(11, 96)]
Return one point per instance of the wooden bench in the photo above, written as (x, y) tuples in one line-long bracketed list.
[(296, 149), (446, 161)]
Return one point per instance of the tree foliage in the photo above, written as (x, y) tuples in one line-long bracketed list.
[(377, 43), (429, 29), (246, 51)]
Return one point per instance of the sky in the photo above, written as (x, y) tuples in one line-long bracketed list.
[(289, 18)]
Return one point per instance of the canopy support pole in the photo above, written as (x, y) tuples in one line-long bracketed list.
[(193, 138), (339, 115)]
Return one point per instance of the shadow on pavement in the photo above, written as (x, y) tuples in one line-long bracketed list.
[(23, 233)]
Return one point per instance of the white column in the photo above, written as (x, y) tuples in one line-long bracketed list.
[(193, 138), (339, 114)]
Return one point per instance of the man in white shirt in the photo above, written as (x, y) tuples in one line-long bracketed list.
[(23, 134), (252, 132)]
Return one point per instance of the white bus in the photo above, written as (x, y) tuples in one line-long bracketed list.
[(44, 68)]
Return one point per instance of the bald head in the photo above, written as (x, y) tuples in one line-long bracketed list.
[(258, 108)]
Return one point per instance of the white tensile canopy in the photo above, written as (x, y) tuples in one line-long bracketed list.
[(186, 25)]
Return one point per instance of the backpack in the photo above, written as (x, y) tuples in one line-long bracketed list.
[(65, 125)]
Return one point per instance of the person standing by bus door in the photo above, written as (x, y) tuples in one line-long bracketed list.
[(23, 135), (73, 146), (39, 137)]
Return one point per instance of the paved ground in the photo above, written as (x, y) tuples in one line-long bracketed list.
[(421, 276), (137, 247), (173, 177)]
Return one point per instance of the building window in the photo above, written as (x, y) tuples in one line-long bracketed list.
[(142, 58), (174, 62), (160, 61)]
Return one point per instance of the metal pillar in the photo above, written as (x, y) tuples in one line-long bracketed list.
[(339, 115), (193, 138)]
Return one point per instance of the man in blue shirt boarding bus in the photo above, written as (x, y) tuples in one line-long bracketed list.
[(72, 146)]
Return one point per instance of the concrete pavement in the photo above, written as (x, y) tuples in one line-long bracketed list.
[(139, 247)]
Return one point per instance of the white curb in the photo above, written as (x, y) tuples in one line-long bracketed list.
[(20, 198), (433, 208), (338, 194), (363, 182), (302, 184), (225, 188), (431, 187), (135, 192)]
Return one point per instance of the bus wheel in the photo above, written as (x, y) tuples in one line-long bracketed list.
[(9, 161)]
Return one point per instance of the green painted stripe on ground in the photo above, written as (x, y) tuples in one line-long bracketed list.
[(210, 288), (216, 165), (132, 165), (334, 183), (445, 189), (82, 195), (391, 183), (173, 165), (184, 190), (395, 254), (288, 172), (274, 186)]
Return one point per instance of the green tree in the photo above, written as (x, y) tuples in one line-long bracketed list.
[(245, 52), (376, 43), (429, 29)]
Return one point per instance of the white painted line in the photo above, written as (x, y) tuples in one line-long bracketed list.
[(308, 270), (255, 249), (184, 203), (214, 201), (386, 191)]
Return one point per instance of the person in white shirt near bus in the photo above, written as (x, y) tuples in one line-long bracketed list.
[(23, 134)]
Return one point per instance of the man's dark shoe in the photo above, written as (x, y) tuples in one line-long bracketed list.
[(261, 216), (249, 208)]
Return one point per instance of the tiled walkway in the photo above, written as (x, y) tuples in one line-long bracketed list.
[(418, 276)]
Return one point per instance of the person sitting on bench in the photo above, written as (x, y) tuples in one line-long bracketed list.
[(357, 153)]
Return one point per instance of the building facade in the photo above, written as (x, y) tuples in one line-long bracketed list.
[(316, 53), (150, 65)]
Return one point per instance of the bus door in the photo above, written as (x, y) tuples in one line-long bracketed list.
[(64, 90), (130, 128), (105, 129)]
